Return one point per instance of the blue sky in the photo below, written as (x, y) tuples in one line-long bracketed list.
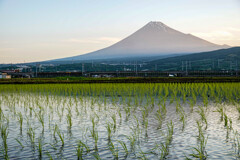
[(33, 30)]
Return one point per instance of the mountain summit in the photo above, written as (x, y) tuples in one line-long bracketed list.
[(153, 39)]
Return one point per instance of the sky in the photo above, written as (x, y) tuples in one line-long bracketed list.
[(36, 30)]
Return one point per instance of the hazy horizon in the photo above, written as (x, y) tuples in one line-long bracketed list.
[(43, 30)]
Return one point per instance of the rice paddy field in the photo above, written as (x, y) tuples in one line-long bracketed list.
[(120, 121)]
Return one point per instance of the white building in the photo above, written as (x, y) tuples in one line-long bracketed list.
[(5, 76)]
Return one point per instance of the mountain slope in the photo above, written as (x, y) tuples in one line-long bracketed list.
[(153, 39), (223, 59)]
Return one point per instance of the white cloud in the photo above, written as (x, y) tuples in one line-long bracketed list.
[(234, 29), (228, 36), (214, 34)]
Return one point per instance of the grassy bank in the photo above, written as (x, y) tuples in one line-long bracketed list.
[(120, 80)]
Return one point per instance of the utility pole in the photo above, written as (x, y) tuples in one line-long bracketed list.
[(36, 69), (39, 66), (186, 68), (236, 68), (136, 68), (82, 69), (134, 64), (182, 66)]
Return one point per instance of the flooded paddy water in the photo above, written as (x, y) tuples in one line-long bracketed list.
[(120, 121)]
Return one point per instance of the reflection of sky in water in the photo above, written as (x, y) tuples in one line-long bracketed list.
[(218, 146)]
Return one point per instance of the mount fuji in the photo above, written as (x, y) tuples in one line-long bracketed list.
[(153, 39)]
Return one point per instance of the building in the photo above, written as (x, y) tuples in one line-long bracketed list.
[(5, 76)]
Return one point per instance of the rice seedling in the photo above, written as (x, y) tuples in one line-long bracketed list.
[(40, 147), (120, 114), (225, 120), (164, 109), (127, 112), (114, 150), (136, 131), (124, 146), (141, 154), (202, 114), (132, 140), (146, 127), (205, 101), (19, 142), (238, 109), (191, 104), (31, 134), (95, 137), (141, 104), (170, 127), (200, 150), (4, 135), (220, 111), (182, 118), (109, 130), (230, 123), (49, 156), (164, 147), (96, 156), (40, 117), (159, 118), (60, 135), (114, 118), (20, 120), (80, 149), (236, 144), (94, 133), (145, 120), (69, 120)]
